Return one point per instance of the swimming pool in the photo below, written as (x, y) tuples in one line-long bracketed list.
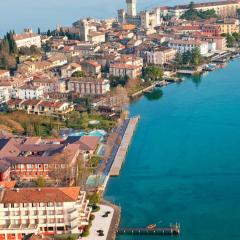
[(94, 133)]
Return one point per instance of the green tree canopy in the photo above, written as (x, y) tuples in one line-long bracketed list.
[(153, 73), (193, 14), (40, 182), (78, 74), (192, 58)]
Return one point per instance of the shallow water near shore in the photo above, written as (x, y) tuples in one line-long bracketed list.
[(184, 162)]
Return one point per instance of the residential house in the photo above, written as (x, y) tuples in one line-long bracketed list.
[(29, 91)]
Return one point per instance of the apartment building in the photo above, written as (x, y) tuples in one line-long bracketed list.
[(229, 26), (123, 70), (130, 60), (188, 45), (42, 211), (221, 42), (89, 86), (161, 55)]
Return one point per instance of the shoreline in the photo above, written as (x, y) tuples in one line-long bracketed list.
[(114, 171)]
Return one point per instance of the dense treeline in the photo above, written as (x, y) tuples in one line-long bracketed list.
[(8, 51), (191, 58), (232, 40), (194, 14)]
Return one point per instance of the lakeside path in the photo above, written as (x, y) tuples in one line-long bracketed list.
[(101, 223), (122, 151)]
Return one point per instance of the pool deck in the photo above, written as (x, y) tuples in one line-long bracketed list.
[(123, 148)]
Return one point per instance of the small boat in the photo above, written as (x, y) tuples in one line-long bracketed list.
[(210, 67), (151, 226)]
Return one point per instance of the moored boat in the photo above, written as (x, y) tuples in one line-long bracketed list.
[(151, 226)]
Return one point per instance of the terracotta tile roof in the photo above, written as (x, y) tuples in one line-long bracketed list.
[(8, 184), (184, 42), (4, 165), (31, 102), (24, 36), (32, 140), (3, 71), (88, 143), (14, 101), (93, 63), (38, 195), (10, 149), (39, 147), (123, 66), (51, 104), (29, 160)]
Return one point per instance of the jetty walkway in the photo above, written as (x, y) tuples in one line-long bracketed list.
[(123, 148), (170, 231)]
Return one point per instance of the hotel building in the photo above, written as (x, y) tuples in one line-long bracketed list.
[(42, 211)]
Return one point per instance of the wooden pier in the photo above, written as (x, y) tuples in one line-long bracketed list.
[(170, 231)]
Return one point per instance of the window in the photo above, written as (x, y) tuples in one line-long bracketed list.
[(6, 205)]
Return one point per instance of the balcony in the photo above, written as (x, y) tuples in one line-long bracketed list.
[(72, 210)]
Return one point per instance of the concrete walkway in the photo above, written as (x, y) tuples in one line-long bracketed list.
[(100, 223)]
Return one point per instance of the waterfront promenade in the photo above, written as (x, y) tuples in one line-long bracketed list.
[(101, 223), (123, 148)]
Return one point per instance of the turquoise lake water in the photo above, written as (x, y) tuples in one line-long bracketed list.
[(184, 162)]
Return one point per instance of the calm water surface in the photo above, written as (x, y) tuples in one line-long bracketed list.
[(184, 162), (18, 14)]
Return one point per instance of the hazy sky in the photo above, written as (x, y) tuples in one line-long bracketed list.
[(18, 14)]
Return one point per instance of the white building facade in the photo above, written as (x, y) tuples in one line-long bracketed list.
[(27, 40), (188, 45), (30, 92), (43, 211)]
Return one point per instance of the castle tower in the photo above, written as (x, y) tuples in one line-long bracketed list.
[(131, 7), (84, 30), (121, 16), (145, 19)]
